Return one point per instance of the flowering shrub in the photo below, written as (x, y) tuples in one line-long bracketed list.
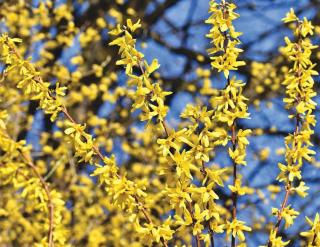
[(67, 186)]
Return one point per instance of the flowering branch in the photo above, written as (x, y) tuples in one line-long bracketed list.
[(299, 94), (52, 104), (230, 104), (49, 203)]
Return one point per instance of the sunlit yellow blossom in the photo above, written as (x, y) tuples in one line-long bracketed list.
[(236, 228)]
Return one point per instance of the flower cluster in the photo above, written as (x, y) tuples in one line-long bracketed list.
[(147, 96), (230, 105), (299, 99), (224, 37), (30, 81)]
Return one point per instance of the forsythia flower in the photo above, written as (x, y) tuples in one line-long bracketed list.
[(151, 232), (301, 189), (240, 190), (276, 241), (83, 142), (31, 82), (313, 235), (290, 17), (236, 228), (288, 214), (224, 37)]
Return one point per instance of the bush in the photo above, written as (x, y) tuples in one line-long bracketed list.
[(93, 155)]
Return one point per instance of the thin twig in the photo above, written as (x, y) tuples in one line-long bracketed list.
[(47, 191), (234, 194), (54, 168), (280, 217), (288, 188), (189, 208)]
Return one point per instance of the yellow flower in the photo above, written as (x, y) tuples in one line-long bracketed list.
[(276, 241), (287, 213), (199, 215), (290, 17), (301, 189), (237, 188), (236, 228), (313, 235), (221, 20)]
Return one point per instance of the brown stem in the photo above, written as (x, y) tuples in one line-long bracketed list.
[(288, 187), (49, 204), (149, 220), (314, 238), (164, 125), (234, 194), (233, 130), (211, 233), (211, 237), (283, 205), (189, 207)]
